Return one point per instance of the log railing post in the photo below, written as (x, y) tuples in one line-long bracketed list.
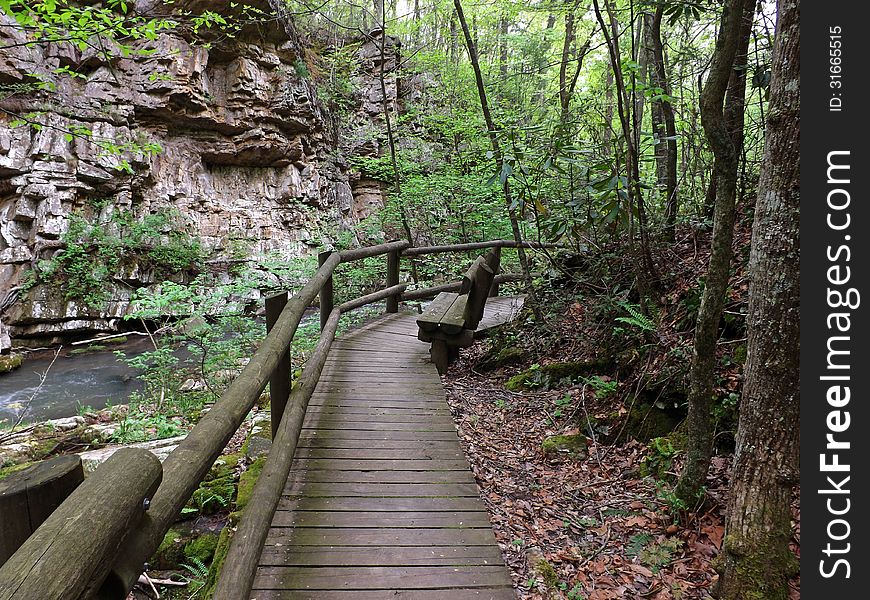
[(70, 554), (28, 498), (326, 298), (279, 383), (493, 261), (393, 279)]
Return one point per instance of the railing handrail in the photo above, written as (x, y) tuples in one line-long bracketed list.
[(187, 465)]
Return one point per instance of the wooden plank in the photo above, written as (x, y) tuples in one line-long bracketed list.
[(429, 389), (380, 453), (382, 465), (388, 556), (453, 320), (380, 504), (355, 411), (384, 476), (351, 419), (381, 490), (379, 578), (368, 519), (375, 444), (366, 434), (369, 403), (337, 424), (382, 536), (488, 593), (432, 315)]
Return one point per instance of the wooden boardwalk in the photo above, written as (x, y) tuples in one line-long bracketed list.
[(381, 503)]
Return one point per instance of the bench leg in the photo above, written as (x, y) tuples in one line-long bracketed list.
[(440, 354)]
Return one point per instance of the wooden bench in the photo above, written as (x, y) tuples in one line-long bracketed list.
[(450, 320)]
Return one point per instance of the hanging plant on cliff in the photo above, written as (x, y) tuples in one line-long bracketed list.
[(92, 252)]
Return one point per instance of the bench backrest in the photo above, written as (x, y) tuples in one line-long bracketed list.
[(477, 282)]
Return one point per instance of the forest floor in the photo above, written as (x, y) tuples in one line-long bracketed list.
[(605, 525)]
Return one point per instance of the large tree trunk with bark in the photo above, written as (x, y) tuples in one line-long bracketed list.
[(756, 561), (699, 427)]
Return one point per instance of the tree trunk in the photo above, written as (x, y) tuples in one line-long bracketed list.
[(756, 561), (664, 124), (700, 437), (499, 158), (735, 98)]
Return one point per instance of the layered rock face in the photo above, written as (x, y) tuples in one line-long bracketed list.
[(244, 153)]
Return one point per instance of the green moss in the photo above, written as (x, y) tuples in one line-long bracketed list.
[(116, 340), (10, 469), (224, 466), (546, 572), (247, 481), (10, 362), (170, 553), (757, 569), (202, 548), (87, 349), (553, 374), (214, 495), (572, 446), (43, 448), (496, 358), (648, 420), (220, 555)]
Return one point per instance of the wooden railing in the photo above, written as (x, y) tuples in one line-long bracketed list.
[(120, 514)]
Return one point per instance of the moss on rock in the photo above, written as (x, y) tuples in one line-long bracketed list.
[(217, 563), (170, 553), (247, 481), (648, 420), (553, 374), (214, 495), (496, 358), (10, 469), (202, 548), (10, 362), (573, 446)]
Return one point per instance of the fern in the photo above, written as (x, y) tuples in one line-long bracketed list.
[(198, 575), (637, 318)]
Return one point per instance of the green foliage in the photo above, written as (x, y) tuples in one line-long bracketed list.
[(197, 575), (660, 554), (636, 318), (96, 249), (602, 388), (140, 424), (201, 549), (659, 458)]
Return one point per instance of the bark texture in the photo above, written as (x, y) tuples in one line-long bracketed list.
[(700, 438), (756, 561)]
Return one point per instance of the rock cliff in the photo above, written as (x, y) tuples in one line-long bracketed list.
[(230, 136)]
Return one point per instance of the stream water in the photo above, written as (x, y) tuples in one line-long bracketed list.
[(73, 382), (93, 379)]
